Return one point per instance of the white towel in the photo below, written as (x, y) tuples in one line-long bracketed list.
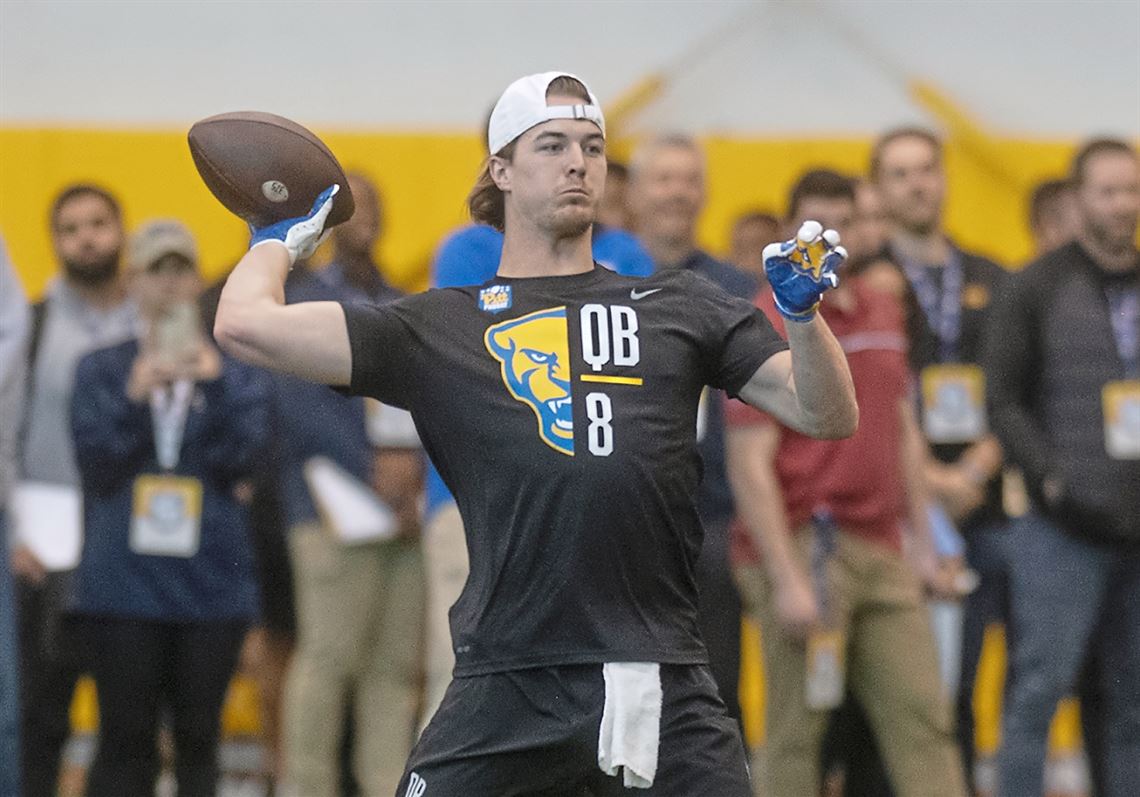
[(631, 722)]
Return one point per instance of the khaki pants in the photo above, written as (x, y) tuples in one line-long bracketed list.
[(892, 668), (445, 562), (359, 630)]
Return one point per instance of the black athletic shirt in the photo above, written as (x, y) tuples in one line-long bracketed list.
[(561, 412)]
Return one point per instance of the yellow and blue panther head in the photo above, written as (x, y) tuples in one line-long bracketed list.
[(535, 355)]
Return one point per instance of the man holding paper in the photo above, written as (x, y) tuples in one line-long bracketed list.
[(85, 309)]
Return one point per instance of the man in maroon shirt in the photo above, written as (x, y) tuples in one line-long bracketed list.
[(822, 557)]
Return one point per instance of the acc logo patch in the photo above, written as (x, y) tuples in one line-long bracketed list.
[(534, 353), (495, 299)]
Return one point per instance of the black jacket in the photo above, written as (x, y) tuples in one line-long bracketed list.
[(1051, 350)]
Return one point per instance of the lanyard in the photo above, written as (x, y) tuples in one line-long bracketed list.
[(941, 303), (1124, 311), (823, 550), (169, 408)]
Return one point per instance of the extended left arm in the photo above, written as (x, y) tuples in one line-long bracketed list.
[(808, 388)]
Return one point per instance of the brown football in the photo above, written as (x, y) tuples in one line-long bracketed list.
[(265, 168)]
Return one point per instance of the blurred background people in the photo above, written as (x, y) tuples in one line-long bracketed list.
[(353, 269), (851, 761), (1054, 217), (84, 309), (269, 643), (1064, 361), (13, 372), (359, 583), (870, 226), (750, 233), (820, 553), (613, 212), (667, 193), (167, 433), (952, 292)]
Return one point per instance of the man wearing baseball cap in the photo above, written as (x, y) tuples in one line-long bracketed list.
[(559, 401), (167, 433)]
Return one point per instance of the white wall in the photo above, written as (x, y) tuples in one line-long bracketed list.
[(1046, 68)]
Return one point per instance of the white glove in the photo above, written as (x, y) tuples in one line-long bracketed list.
[(302, 235)]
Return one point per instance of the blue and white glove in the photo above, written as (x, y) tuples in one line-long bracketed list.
[(302, 235), (801, 270)]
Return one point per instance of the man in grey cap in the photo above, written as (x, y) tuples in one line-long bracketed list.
[(558, 401), (167, 433)]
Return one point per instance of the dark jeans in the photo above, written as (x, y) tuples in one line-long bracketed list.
[(49, 668), (1071, 599), (987, 554), (141, 667), (719, 614), (9, 676)]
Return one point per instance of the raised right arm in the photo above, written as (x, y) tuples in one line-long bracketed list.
[(308, 339)]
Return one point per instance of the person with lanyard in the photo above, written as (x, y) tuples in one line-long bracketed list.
[(833, 552), (167, 432), (1064, 359), (558, 401), (952, 292)]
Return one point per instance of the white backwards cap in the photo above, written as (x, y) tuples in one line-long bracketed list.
[(523, 105)]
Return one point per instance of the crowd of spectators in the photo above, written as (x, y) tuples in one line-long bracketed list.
[(168, 513)]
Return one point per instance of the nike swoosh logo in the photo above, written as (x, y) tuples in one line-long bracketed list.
[(635, 294)]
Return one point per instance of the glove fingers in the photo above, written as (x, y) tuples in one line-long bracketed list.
[(833, 260), (312, 246), (778, 249), (323, 198), (809, 231)]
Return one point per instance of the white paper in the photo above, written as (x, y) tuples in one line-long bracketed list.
[(390, 427), (48, 519), (349, 507)]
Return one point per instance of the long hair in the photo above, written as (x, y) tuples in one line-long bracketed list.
[(486, 202)]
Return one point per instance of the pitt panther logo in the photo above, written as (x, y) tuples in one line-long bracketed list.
[(534, 352)]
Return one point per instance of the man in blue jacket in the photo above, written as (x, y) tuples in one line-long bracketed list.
[(167, 433)]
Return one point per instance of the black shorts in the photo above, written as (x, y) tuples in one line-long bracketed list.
[(535, 733)]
